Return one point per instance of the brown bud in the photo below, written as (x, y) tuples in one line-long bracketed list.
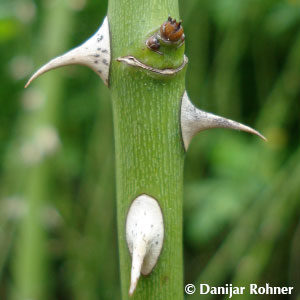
[(153, 43), (172, 31)]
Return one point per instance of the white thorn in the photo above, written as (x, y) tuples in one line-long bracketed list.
[(138, 255), (94, 53), (144, 235), (194, 120)]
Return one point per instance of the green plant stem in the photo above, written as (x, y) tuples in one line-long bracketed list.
[(149, 150)]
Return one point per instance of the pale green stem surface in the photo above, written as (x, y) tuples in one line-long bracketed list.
[(149, 149)]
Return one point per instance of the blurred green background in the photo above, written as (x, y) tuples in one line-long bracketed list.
[(58, 235)]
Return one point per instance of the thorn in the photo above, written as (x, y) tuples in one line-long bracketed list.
[(144, 235), (69, 58), (138, 255), (194, 120), (83, 55)]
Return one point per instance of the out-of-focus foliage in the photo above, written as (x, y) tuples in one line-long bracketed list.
[(57, 186)]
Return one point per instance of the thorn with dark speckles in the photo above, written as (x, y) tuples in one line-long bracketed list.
[(144, 247), (84, 54), (194, 120)]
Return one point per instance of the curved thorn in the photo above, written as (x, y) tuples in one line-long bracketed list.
[(94, 53), (144, 236), (194, 120), (60, 61)]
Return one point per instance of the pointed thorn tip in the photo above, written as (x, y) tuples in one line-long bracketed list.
[(132, 288), (261, 136), (29, 81), (253, 131)]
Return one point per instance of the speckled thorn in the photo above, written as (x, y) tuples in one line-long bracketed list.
[(144, 235), (194, 120), (94, 53)]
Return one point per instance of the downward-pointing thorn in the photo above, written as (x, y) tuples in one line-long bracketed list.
[(144, 235), (138, 255)]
